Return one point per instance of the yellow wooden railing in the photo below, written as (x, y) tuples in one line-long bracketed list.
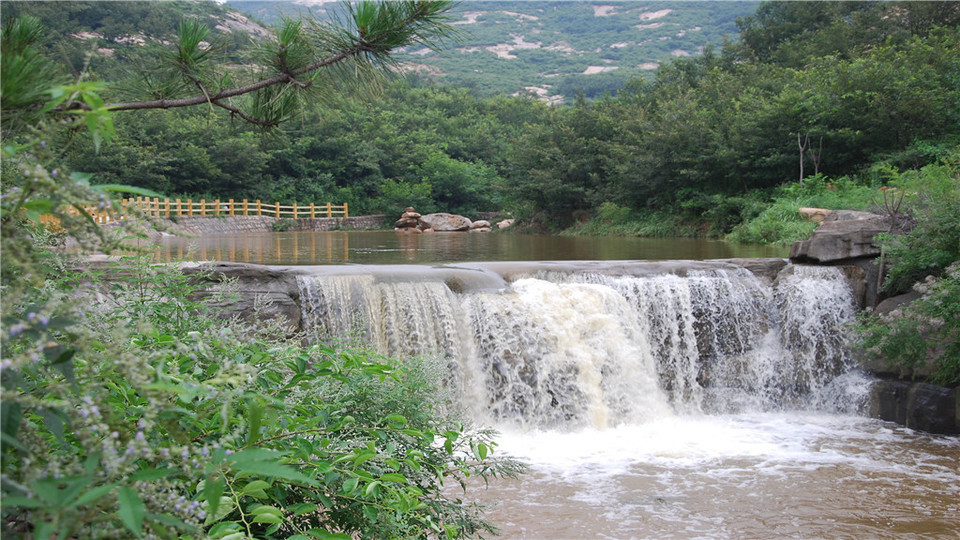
[(167, 208)]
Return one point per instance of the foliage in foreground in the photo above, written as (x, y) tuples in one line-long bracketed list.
[(129, 410), (922, 333), (925, 332), (148, 416)]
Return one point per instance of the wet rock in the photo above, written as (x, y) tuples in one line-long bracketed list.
[(927, 407), (506, 223)]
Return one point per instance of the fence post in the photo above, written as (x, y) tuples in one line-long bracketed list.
[(231, 207), (203, 207), (244, 207), (329, 210), (346, 213), (179, 208), (313, 211), (276, 213), (259, 208), (156, 207), (216, 207), (190, 207), (295, 211), (168, 206)]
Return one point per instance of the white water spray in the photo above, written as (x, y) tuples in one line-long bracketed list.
[(587, 349)]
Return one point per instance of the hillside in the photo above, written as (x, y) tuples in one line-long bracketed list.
[(553, 49)]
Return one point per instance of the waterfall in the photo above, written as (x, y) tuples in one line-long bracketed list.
[(554, 348)]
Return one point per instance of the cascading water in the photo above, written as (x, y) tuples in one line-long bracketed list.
[(657, 400), (552, 348)]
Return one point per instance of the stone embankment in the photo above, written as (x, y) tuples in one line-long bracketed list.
[(197, 225)]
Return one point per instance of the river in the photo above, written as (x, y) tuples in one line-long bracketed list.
[(388, 247), (705, 405)]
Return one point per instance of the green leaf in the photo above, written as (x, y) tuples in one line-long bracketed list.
[(273, 469), (151, 474), (394, 477), (255, 454), (54, 421), (132, 509), (397, 419), (93, 495), (300, 509), (370, 512), (256, 489), (255, 410), (212, 490), (350, 484), (267, 518), (22, 502)]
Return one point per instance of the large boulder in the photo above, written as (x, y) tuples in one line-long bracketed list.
[(843, 235), (443, 222)]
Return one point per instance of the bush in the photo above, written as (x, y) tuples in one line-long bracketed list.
[(780, 221), (922, 333), (932, 197), (129, 409), (149, 415), (613, 219)]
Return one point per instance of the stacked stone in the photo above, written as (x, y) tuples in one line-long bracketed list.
[(409, 221), (481, 225)]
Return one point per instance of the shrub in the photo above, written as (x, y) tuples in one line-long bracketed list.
[(932, 197), (151, 416), (780, 221), (923, 332)]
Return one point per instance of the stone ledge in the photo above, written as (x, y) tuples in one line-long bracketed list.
[(922, 406)]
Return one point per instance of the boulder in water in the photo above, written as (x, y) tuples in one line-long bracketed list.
[(443, 222)]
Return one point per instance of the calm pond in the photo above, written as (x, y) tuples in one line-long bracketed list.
[(388, 247)]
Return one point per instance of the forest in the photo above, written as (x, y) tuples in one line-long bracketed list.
[(706, 142)]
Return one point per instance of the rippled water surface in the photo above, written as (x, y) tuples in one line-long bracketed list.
[(388, 247), (743, 476)]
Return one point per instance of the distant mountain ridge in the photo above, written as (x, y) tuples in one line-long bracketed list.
[(553, 49)]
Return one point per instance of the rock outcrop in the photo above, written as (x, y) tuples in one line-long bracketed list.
[(843, 235), (922, 406)]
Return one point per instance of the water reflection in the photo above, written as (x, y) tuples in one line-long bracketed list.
[(388, 247)]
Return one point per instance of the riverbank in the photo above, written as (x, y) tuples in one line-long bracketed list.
[(197, 225)]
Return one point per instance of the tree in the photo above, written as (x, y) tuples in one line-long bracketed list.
[(308, 57), (152, 418)]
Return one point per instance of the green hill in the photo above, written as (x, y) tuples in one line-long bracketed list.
[(554, 49)]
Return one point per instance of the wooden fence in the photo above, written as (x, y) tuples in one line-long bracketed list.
[(167, 208)]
